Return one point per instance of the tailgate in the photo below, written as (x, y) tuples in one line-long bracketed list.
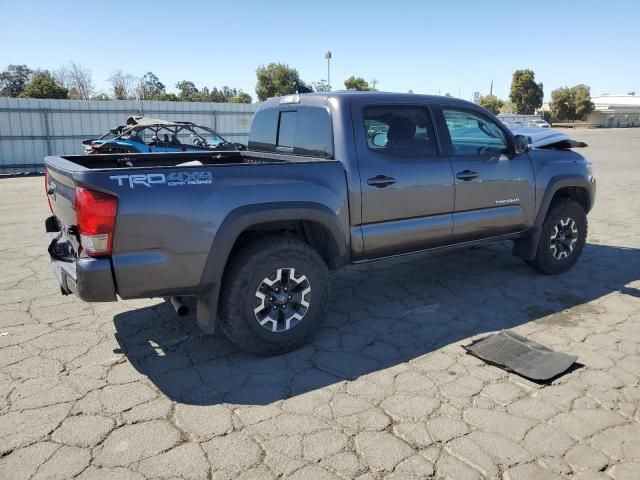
[(61, 190), (91, 279)]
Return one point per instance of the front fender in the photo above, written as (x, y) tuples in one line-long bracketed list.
[(558, 182), (527, 246)]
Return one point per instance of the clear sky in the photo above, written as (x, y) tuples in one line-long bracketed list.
[(428, 47)]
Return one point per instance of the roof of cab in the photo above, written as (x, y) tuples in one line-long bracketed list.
[(321, 98)]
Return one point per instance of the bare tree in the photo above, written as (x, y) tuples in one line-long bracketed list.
[(77, 80), (123, 85)]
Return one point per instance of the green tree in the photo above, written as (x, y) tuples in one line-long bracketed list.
[(491, 103), (43, 85), (276, 79), (582, 100), (357, 83), (526, 94), (166, 97), (241, 97), (150, 86), (561, 105), (187, 90), (14, 80), (101, 97), (223, 95), (571, 103), (508, 108), (201, 96), (321, 86)]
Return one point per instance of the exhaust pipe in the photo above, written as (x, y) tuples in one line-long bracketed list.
[(179, 306)]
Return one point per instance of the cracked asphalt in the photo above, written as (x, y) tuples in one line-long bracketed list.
[(126, 391)]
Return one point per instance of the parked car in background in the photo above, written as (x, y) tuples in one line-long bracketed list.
[(148, 135), (538, 123)]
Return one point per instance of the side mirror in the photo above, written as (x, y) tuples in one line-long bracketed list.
[(523, 144)]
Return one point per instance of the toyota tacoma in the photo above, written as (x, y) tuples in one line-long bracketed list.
[(328, 179)]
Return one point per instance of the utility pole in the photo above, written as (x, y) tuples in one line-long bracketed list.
[(373, 83), (140, 98), (328, 57), (491, 89)]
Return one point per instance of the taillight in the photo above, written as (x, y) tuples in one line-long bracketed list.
[(96, 219), (46, 188)]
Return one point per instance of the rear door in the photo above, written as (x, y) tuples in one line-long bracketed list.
[(406, 184), (493, 186)]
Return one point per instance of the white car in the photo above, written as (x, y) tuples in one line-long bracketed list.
[(538, 123)]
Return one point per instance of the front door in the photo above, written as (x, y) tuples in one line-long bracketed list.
[(407, 186), (494, 188)]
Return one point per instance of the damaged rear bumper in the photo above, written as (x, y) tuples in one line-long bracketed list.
[(90, 279)]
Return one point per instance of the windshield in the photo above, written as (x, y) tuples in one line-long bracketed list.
[(209, 136)]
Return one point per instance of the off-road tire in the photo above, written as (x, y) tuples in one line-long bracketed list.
[(545, 261), (245, 272)]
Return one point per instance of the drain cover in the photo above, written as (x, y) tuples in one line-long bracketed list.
[(518, 354)]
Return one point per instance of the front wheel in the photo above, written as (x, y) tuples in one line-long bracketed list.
[(564, 233), (274, 295)]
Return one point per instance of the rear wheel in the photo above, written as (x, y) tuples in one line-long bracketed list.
[(274, 295), (564, 233)]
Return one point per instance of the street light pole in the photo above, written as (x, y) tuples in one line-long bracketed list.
[(328, 57)]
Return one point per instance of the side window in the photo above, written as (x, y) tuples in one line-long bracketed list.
[(304, 131), (399, 131), (313, 133), (473, 134)]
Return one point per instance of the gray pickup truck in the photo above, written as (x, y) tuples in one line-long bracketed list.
[(329, 179)]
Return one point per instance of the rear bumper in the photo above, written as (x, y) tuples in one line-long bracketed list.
[(90, 279)]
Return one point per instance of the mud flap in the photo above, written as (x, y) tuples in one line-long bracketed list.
[(526, 247), (207, 309)]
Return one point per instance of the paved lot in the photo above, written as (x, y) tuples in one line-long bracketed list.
[(124, 391)]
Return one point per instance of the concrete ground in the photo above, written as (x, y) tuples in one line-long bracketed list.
[(124, 391)]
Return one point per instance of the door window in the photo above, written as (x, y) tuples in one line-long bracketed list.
[(473, 134), (399, 131)]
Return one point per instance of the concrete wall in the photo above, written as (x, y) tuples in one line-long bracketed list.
[(30, 129)]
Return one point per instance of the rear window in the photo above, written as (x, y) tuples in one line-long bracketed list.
[(301, 131), (264, 130)]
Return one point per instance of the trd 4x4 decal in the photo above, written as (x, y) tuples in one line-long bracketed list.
[(173, 179)]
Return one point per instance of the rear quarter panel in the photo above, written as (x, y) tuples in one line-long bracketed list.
[(164, 232)]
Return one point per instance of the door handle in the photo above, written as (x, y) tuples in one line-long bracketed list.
[(466, 175), (381, 181)]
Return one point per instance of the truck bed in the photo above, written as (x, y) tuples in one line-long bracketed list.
[(150, 160), (170, 209)]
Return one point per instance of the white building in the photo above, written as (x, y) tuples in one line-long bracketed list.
[(615, 111)]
